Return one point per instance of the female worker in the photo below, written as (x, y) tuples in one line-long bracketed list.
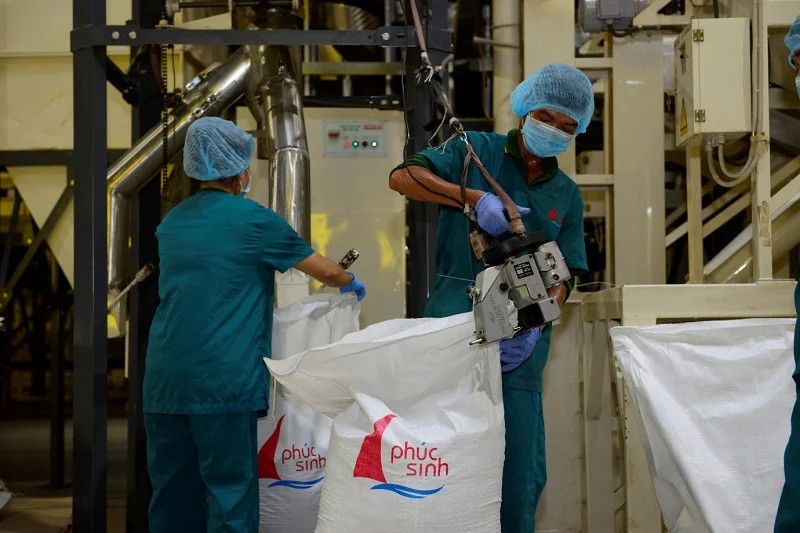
[(205, 380), (788, 518), (554, 104)]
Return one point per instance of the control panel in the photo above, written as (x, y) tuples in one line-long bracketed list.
[(354, 138)]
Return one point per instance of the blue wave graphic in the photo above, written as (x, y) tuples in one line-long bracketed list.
[(300, 485), (406, 492)]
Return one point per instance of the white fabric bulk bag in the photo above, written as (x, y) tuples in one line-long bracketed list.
[(713, 400), (418, 437), (292, 438)]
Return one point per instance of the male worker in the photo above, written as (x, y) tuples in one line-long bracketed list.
[(788, 518), (205, 379), (554, 104)]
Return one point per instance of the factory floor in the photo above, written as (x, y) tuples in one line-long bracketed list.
[(24, 467)]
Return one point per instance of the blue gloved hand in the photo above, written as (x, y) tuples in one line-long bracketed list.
[(356, 286), (516, 350), (492, 217)]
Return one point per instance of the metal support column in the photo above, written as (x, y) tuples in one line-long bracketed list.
[(694, 212), (143, 301), (9, 244), (553, 24), (57, 407), (760, 180), (639, 165), (422, 218), (90, 368)]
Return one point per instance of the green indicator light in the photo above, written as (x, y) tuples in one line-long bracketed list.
[(355, 144), (374, 144)]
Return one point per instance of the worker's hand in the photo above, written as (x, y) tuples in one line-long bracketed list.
[(492, 217), (515, 351), (355, 286)]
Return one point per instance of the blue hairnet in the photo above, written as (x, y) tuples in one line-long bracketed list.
[(216, 149), (792, 40), (557, 87)]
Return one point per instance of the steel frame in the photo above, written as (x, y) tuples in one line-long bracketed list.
[(45, 158), (145, 217), (90, 410), (7, 288), (89, 40), (132, 35)]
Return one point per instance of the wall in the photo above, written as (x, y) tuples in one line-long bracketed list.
[(36, 76)]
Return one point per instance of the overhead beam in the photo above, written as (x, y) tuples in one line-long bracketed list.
[(133, 35)]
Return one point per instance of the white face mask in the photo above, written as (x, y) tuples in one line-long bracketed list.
[(543, 140), (797, 83), (245, 190)]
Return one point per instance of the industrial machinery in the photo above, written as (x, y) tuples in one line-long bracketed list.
[(267, 76), (270, 80), (511, 294), (608, 15)]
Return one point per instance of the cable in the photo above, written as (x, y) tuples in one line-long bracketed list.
[(757, 139), (734, 179), (174, 86), (588, 283), (405, 118), (619, 34), (164, 119)]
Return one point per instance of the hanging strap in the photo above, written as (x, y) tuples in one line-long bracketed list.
[(515, 219), (423, 49), (427, 74)]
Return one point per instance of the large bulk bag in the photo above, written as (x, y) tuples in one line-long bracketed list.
[(713, 400), (292, 438), (418, 434)]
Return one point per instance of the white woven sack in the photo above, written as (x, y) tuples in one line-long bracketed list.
[(418, 436), (292, 438), (713, 400)]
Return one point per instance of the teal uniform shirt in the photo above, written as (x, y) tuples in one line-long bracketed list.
[(218, 256), (796, 374), (788, 517), (556, 209)]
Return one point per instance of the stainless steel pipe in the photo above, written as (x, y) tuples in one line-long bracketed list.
[(275, 98), (210, 94), (269, 77)]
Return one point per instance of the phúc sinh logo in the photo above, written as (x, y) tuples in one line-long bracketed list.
[(423, 461), (299, 458)]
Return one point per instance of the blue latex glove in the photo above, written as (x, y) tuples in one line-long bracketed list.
[(516, 350), (492, 217), (356, 286)]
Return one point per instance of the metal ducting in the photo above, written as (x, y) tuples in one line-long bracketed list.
[(269, 76), (209, 94), (339, 16), (604, 15), (275, 99), (345, 17)]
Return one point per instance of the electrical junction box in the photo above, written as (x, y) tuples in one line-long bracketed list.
[(712, 79), (354, 138)]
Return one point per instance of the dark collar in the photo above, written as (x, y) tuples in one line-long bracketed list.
[(550, 163), (212, 189)]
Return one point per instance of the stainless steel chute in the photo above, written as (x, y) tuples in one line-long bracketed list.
[(215, 91)]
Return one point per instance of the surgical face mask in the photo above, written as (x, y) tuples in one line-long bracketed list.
[(246, 190), (543, 140), (797, 83)]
